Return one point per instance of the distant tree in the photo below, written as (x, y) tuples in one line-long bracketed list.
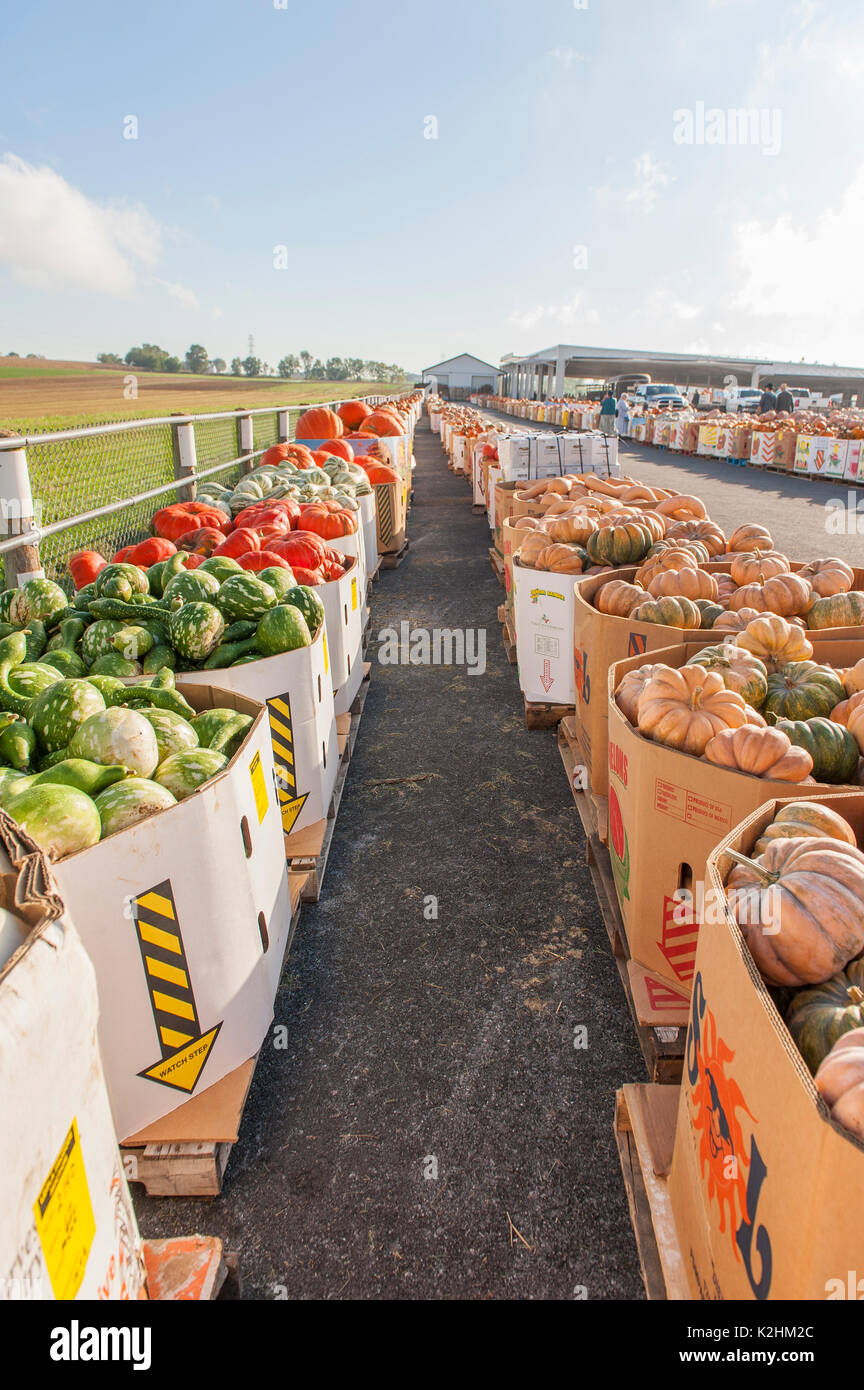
[(335, 370), (147, 358), (288, 365), (172, 364), (305, 358), (316, 371), (236, 366), (196, 359), (110, 358), (13, 354), (40, 356), (217, 364), (355, 367), (252, 366)]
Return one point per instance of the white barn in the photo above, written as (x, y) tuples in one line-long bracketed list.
[(458, 377)]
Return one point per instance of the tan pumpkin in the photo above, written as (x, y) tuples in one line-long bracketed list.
[(787, 594), (618, 598), (802, 818), (829, 577), (708, 532), (741, 670), (637, 493), (751, 566), (754, 717), (853, 679), (761, 752), (682, 508), (751, 597), (689, 582), (575, 527), (561, 559), (734, 621), (750, 537), (656, 524), (840, 1081), (666, 560), (810, 924), (840, 713), (684, 709), (630, 688), (533, 545), (775, 641), (725, 587)]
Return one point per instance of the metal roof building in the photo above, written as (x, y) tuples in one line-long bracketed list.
[(463, 375)]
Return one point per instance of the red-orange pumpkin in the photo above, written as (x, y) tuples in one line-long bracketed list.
[(383, 423), (353, 413), (319, 422)]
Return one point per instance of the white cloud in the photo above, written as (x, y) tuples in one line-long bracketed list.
[(651, 178), (184, 296), (216, 312), (565, 313), (566, 56), (53, 237), (794, 268)]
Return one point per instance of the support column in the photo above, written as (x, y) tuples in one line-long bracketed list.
[(560, 366)]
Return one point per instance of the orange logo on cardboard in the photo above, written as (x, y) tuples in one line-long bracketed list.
[(733, 1176)]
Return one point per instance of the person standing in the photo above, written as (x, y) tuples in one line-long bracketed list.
[(767, 401), (623, 414), (784, 399), (607, 413)]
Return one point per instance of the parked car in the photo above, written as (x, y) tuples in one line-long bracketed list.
[(742, 399), (655, 393)]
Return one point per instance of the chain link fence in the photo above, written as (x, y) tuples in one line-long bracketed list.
[(76, 472)]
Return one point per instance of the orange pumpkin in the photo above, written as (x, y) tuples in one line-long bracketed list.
[(687, 582), (630, 689), (319, 422), (761, 752), (750, 537), (618, 598), (775, 641), (752, 566), (708, 532), (384, 424), (735, 620), (562, 559), (840, 1081), (575, 527), (684, 709), (353, 413), (828, 577)]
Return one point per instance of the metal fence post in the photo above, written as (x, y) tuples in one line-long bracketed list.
[(185, 459), (244, 440), (284, 427), (16, 516)]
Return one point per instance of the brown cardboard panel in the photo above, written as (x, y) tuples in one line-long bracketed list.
[(668, 811), (213, 1116), (658, 1004), (766, 1190)]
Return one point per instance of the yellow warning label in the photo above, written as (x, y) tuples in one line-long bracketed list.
[(184, 1047), (259, 787), (64, 1218), (282, 737), (353, 594), (326, 658)]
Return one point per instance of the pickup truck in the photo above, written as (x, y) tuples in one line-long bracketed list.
[(741, 399)]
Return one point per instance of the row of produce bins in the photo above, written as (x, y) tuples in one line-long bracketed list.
[(175, 733), (711, 725)]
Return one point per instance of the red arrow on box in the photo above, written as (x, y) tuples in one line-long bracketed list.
[(547, 680)]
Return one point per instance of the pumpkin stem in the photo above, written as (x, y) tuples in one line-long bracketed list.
[(855, 995), (765, 874)]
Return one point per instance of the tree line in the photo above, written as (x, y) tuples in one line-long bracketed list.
[(151, 358)]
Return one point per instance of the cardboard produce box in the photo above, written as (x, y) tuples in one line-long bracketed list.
[(543, 614), (391, 510), (598, 641), (185, 916), (512, 535), (68, 1229), (297, 689), (668, 810), (766, 1190), (370, 530)]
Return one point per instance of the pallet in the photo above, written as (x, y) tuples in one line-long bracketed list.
[(543, 716), (165, 1157), (308, 850), (645, 1132), (508, 636), (478, 509), (593, 808), (497, 565), (394, 560), (190, 1269), (659, 1013)]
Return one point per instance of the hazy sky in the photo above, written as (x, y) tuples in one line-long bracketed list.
[(581, 185)]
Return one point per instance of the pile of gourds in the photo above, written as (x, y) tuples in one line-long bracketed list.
[(756, 703), (798, 898)]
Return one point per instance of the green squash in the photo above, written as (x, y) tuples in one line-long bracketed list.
[(62, 820), (740, 670), (183, 773), (41, 599), (831, 746), (817, 1017), (192, 586), (280, 579), (667, 611), (127, 803), (245, 596), (304, 597), (122, 581), (282, 629), (98, 639), (710, 611), (619, 545), (57, 714), (803, 690), (174, 734), (196, 630), (32, 678), (222, 566)]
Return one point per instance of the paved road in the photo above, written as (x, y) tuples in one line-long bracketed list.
[(420, 1044), (793, 508)]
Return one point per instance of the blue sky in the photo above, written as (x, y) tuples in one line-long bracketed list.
[(304, 127)]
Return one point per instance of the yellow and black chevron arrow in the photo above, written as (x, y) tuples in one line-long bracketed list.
[(282, 738), (185, 1048), (385, 511)]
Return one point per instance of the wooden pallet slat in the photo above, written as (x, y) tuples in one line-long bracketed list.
[(497, 565), (645, 1118), (393, 560), (545, 716)]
